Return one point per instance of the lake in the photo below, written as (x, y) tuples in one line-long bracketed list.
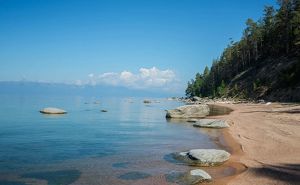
[(131, 143)]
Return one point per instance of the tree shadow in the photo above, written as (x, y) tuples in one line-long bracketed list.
[(289, 173), (292, 111)]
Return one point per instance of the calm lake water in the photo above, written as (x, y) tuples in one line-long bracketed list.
[(129, 144)]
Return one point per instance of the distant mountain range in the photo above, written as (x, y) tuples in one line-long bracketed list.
[(40, 88)]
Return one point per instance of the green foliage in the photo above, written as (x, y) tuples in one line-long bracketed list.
[(236, 87), (275, 35), (256, 84), (206, 72), (296, 25), (291, 75), (194, 86), (222, 89)]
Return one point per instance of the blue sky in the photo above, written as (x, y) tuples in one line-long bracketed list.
[(82, 42)]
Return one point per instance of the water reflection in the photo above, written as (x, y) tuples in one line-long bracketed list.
[(130, 137)]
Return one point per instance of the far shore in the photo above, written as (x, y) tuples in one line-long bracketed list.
[(264, 140)]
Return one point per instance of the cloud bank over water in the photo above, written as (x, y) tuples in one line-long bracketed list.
[(145, 78)]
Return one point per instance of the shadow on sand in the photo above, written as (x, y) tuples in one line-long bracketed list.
[(292, 111), (289, 173)]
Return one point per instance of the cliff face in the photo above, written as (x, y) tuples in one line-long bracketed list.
[(271, 79)]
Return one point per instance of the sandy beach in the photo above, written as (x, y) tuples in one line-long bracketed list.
[(266, 139)]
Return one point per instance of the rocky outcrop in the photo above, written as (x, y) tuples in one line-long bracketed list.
[(52, 110), (196, 98), (203, 157), (188, 111), (211, 123)]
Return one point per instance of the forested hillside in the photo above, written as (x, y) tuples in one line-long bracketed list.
[(264, 64)]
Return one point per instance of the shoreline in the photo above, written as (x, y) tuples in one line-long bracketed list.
[(256, 133), (226, 142)]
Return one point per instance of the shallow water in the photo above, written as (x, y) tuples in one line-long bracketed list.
[(128, 144)]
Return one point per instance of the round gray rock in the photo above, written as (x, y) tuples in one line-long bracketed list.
[(211, 123), (203, 157), (189, 111), (197, 176), (52, 110), (190, 178), (208, 157)]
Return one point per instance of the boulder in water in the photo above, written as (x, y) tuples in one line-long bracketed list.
[(203, 157), (189, 111), (197, 176), (52, 110), (211, 123), (190, 178)]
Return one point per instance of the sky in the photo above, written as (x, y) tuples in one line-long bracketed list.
[(157, 44)]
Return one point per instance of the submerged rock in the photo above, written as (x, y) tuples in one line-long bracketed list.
[(189, 111), (197, 176), (203, 157), (135, 175), (190, 178), (61, 177), (211, 123), (52, 110)]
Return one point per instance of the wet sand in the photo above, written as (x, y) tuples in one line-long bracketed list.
[(266, 140)]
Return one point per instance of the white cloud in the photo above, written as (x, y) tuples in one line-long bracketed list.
[(155, 77), (78, 82), (91, 75), (146, 78), (108, 78)]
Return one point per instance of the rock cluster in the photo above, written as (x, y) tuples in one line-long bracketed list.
[(195, 113)]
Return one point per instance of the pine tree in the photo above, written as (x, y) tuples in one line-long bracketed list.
[(296, 25)]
